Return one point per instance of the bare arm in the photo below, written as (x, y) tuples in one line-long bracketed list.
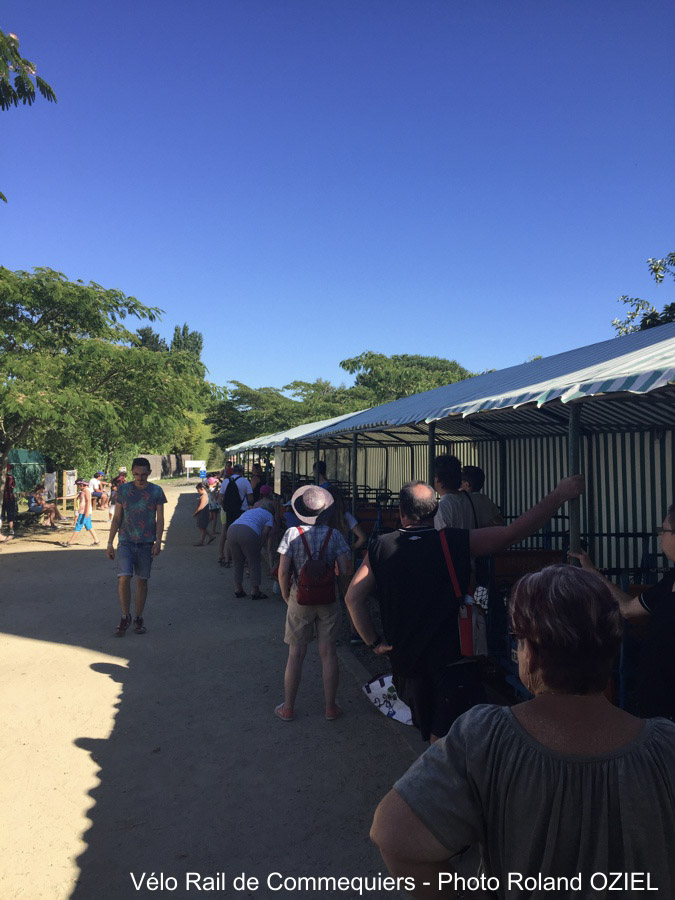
[(483, 541), (362, 586), (630, 607), (114, 528), (360, 536), (157, 546), (285, 576), (408, 848)]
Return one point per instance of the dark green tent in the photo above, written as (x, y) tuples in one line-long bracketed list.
[(28, 468)]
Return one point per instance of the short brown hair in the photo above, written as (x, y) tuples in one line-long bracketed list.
[(573, 625)]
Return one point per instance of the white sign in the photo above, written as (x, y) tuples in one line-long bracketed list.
[(194, 464)]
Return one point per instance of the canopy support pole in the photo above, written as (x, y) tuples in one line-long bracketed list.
[(431, 447), (502, 475), (294, 468), (412, 462), (317, 453), (355, 471), (574, 468)]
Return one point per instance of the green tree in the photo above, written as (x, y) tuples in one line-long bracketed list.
[(187, 341), (151, 340), (73, 381), (643, 314), (25, 76), (389, 378)]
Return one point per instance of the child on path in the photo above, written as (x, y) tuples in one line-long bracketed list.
[(83, 519), (202, 514)]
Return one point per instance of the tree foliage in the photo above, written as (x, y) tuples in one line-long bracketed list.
[(73, 380), (18, 78), (387, 378), (241, 412), (151, 340), (187, 341), (642, 313)]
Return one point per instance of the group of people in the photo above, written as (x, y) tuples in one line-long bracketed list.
[(565, 787), (565, 794)]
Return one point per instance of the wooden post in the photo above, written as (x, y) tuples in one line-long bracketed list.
[(64, 502)]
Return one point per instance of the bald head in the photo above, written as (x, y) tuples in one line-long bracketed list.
[(417, 503)]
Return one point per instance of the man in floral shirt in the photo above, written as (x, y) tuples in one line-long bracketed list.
[(139, 519)]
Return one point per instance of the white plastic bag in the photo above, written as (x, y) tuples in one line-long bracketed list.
[(382, 694)]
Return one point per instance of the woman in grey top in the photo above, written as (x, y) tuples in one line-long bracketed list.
[(566, 795)]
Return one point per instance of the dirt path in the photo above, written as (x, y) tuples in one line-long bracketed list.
[(160, 753)]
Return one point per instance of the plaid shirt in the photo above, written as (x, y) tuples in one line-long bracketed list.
[(292, 545)]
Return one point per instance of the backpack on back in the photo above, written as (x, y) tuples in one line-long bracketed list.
[(232, 498), (316, 581)]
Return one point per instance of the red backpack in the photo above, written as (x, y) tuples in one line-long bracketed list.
[(316, 582)]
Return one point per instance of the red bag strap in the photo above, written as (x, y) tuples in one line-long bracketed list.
[(449, 564), (323, 546), (304, 541)]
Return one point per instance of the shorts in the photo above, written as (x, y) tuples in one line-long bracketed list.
[(134, 559), (83, 521), (437, 698), (10, 510), (304, 623), (203, 518)]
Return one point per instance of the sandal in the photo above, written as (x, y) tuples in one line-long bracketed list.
[(259, 596), (121, 629), (139, 627), (240, 593), (333, 712), (286, 715)]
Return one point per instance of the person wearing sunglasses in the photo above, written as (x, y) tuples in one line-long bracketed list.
[(656, 681)]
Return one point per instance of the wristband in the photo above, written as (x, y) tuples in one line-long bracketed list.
[(376, 643)]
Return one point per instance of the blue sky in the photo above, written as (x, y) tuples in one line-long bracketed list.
[(476, 180)]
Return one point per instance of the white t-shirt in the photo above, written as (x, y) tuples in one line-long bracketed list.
[(243, 486), (255, 519), (94, 484)]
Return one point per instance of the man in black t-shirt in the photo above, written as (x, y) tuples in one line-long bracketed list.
[(407, 572)]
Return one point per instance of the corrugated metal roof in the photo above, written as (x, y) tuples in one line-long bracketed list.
[(636, 363), (281, 438)]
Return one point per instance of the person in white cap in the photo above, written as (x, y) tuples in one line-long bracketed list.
[(312, 540)]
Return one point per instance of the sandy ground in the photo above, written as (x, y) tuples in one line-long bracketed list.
[(159, 754)]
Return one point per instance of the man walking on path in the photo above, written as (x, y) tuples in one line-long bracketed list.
[(409, 573), (139, 518), (318, 541)]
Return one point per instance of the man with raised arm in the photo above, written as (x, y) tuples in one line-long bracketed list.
[(408, 573)]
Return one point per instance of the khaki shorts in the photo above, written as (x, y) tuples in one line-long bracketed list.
[(304, 623)]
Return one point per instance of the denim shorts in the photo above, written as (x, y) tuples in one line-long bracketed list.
[(134, 559)]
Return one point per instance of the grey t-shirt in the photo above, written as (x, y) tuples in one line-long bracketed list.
[(535, 811)]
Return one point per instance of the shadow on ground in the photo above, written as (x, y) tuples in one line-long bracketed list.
[(197, 775)]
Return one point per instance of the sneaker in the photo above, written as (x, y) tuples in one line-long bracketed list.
[(139, 627), (121, 629)]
